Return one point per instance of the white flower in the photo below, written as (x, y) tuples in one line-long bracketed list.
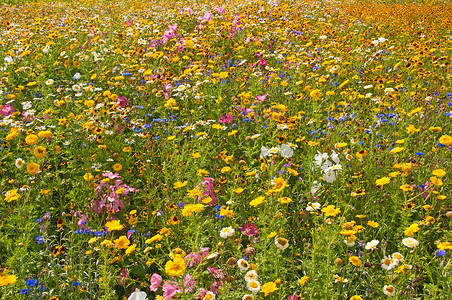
[(8, 59), (138, 295), (369, 86), (349, 244), (76, 88), (76, 76), (19, 162), (313, 206), (398, 256), (410, 242), (248, 297), (389, 91), (381, 39), (281, 243), (315, 187), (227, 232), (251, 275), (243, 264), (180, 88), (286, 151), (254, 286), (372, 244), (49, 82), (389, 290), (281, 126), (388, 263), (212, 255)]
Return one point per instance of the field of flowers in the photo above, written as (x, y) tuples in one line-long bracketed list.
[(225, 150)]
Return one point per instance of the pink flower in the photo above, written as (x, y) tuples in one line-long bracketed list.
[(122, 101), (207, 185), (170, 289), (262, 62), (220, 10), (191, 259), (122, 277), (6, 110), (156, 280), (261, 98), (249, 229), (216, 273), (293, 297), (226, 119), (189, 284)]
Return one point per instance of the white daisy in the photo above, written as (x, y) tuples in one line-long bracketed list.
[(251, 275), (227, 232), (281, 243), (243, 264), (254, 286), (19, 162)]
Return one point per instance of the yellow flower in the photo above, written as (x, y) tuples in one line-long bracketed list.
[(155, 238), (39, 152), (114, 225), (406, 188), (436, 181), (117, 167), (444, 246), (225, 169), (32, 168), (331, 211), (439, 172), (435, 129), (189, 209), (412, 129), (31, 139), (446, 140), (315, 94), (279, 183), (202, 172), (196, 155), (88, 177), (373, 224), (354, 260), (303, 280), (179, 184), (410, 231), (175, 267), (226, 212), (6, 279), (284, 200), (258, 201), (45, 134), (122, 242), (382, 181), (127, 149), (170, 138), (11, 136), (130, 249), (268, 288), (12, 195), (356, 297), (397, 150), (107, 243)]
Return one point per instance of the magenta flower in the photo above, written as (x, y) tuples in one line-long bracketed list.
[(249, 229), (6, 110)]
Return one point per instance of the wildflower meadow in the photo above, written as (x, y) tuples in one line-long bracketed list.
[(229, 150)]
